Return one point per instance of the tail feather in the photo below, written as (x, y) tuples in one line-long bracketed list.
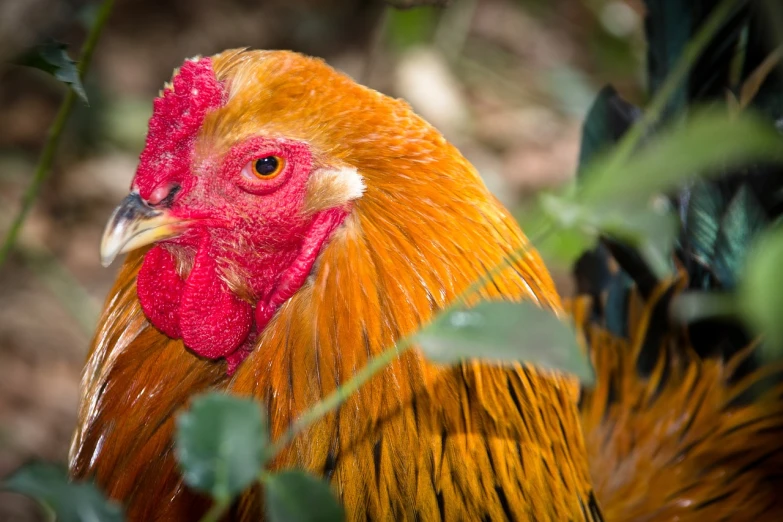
[(677, 445)]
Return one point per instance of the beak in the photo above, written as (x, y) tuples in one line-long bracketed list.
[(134, 224)]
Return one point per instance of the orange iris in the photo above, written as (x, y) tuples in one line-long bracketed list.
[(268, 167)]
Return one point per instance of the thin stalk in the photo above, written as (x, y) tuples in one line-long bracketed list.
[(452, 29), (380, 361), (44, 167)]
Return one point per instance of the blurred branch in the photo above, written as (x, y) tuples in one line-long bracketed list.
[(55, 132), (751, 86), (376, 47), (407, 4), (453, 28)]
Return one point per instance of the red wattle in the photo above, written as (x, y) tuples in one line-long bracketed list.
[(160, 288), (213, 321), (295, 275)]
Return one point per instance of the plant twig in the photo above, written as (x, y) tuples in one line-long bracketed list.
[(44, 167), (375, 51), (452, 29), (408, 4)]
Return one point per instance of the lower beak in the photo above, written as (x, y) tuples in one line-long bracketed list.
[(134, 224)]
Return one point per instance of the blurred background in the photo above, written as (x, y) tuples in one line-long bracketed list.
[(508, 81)]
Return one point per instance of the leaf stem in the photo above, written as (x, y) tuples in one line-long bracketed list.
[(374, 52), (386, 357), (690, 54), (342, 392), (44, 166)]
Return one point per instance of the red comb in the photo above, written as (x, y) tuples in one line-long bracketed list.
[(176, 118)]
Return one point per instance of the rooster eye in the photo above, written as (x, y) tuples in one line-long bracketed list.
[(268, 167)]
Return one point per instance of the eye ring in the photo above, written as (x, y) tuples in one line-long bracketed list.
[(267, 167)]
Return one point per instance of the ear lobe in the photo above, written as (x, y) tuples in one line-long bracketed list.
[(331, 188)]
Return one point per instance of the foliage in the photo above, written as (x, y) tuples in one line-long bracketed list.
[(614, 198), (70, 501), (409, 4), (411, 27), (59, 61)]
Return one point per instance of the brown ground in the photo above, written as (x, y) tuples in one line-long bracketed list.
[(507, 91)]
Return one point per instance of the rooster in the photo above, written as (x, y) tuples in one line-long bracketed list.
[(285, 225), (304, 223)]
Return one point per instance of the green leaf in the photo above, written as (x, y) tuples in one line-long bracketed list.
[(70, 501), (704, 145), (651, 231), (220, 444), (51, 57), (505, 332), (761, 292), (295, 496)]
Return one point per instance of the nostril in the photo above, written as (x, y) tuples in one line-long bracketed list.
[(163, 196)]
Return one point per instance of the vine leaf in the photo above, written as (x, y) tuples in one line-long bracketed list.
[(506, 332), (69, 501), (52, 58), (220, 444)]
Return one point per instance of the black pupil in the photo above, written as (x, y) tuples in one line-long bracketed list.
[(266, 166)]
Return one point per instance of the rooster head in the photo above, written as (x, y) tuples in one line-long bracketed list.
[(268, 172), (237, 193)]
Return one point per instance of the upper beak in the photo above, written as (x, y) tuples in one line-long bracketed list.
[(134, 224)]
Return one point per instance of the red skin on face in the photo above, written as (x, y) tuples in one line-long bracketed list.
[(252, 224)]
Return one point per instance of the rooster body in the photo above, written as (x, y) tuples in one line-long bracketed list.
[(301, 224), (418, 440)]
